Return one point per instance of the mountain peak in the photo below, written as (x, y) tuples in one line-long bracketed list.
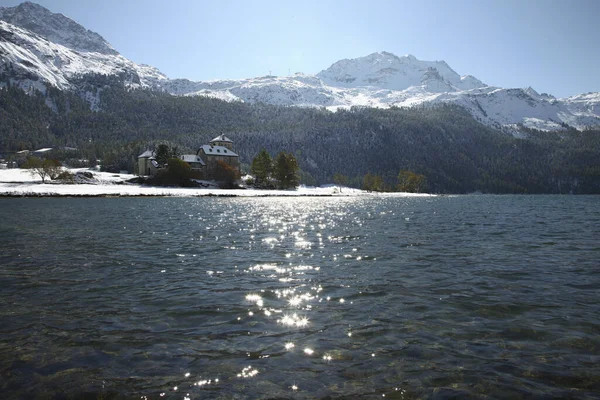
[(55, 27), (386, 55), (385, 70), (28, 5), (39, 48)]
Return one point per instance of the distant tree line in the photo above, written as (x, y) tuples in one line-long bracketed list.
[(408, 181)]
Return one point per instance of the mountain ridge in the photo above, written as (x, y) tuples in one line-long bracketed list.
[(38, 47), (40, 20)]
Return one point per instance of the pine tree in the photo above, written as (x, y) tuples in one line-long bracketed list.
[(286, 170), (162, 154), (262, 168)]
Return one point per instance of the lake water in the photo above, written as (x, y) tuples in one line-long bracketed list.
[(248, 298)]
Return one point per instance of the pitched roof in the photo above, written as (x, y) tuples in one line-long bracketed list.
[(192, 158), (147, 154), (222, 138), (217, 151)]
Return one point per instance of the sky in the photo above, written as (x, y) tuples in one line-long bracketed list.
[(552, 46)]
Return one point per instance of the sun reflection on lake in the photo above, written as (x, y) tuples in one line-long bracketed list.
[(255, 298), (294, 320), (248, 372), (319, 294), (308, 351)]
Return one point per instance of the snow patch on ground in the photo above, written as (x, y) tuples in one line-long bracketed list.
[(17, 175), (19, 182)]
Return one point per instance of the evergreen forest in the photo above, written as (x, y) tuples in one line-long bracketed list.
[(444, 144)]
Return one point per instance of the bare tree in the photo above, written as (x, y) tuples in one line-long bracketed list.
[(43, 168)]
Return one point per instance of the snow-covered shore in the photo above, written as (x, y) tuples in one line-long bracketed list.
[(20, 183)]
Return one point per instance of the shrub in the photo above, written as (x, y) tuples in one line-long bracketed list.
[(177, 173), (227, 175), (66, 177)]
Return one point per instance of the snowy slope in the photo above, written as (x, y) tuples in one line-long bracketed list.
[(297, 90), (55, 27), (38, 47), (33, 60), (387, 71), (583, 107), (384, 80)]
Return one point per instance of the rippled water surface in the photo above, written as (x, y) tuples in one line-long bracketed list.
[(447, 297)]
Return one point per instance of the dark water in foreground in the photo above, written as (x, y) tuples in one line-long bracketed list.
[(450, 297)]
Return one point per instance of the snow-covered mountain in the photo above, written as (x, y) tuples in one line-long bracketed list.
[(38, 47), (385, 70), (56, 28), (384, 80)]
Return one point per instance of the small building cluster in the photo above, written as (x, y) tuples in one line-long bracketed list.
[(15, 159), (205, 162)]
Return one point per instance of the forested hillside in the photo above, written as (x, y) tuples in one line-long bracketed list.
[(444, 143)]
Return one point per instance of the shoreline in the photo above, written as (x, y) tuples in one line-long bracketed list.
[(253, 194), (108, 195), (19, 183), (53, 190)]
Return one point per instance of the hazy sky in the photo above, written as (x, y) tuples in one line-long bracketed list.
[(553, 46)]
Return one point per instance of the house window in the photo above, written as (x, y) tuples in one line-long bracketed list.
[(218, 151)]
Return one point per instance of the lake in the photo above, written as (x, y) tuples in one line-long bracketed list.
[(250, 298)]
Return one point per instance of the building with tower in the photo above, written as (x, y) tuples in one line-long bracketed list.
[(205, 163), (219, 150)]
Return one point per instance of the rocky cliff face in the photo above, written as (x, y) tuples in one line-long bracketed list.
[(56, 28)]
